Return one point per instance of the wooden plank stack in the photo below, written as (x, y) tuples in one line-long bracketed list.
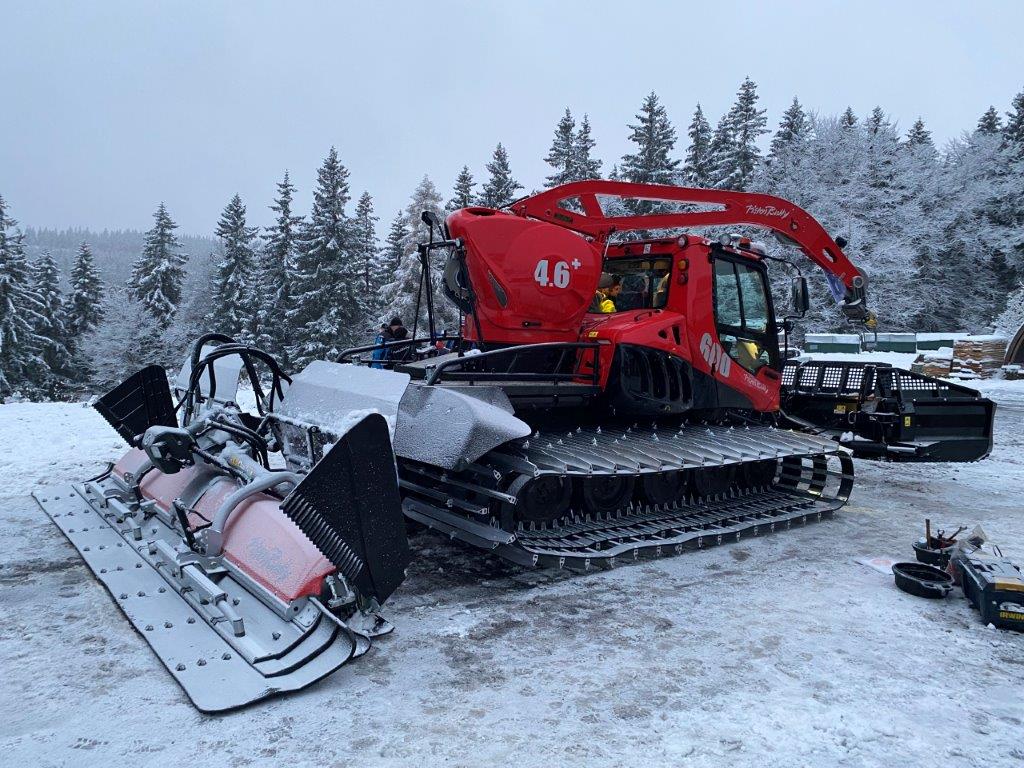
[(978, 356), (937, 363)]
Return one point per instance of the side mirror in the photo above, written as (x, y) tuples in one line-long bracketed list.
[(799, 297), (432, 220)]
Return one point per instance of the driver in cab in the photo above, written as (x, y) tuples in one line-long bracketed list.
[(608, 289)]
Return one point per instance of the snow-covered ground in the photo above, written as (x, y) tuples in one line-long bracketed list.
[(776, 651)]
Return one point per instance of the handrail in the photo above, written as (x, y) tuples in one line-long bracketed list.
[(435, 371), (347, 353)]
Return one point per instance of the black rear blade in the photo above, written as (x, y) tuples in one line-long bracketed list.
[(141, 401), (349, 507)]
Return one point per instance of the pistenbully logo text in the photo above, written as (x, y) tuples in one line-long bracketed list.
[(767, 210)]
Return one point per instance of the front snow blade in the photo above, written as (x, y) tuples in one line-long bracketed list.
[(141, 401), (224, 645), (349, 507)]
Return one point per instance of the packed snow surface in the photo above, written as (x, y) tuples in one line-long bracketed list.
[(776, 651)]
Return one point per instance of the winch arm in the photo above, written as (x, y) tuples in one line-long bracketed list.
[(712, 207)]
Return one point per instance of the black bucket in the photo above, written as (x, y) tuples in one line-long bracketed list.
[(937, 556), (922, 580)]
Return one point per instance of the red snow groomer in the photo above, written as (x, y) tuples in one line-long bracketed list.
[(630, 394), (609, 395)]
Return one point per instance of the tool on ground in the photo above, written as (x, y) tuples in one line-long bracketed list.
[(995, 587)]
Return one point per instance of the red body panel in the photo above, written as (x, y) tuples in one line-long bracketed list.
[(508, 250), (689, 316), (164, 489), (127, 467), (259, 538)]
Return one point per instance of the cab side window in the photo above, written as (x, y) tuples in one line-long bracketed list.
[(742, 314)]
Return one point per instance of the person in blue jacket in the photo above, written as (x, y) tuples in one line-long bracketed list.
[(393, 331)]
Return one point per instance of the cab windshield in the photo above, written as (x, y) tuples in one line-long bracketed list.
[(643, 282)]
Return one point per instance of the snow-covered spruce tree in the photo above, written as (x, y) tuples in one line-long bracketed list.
[(191, 321), (585, 165), (698, 165), (561, 156), (426, 198), (792, 129), (84, 308), (719, 149), (400, 294), (50, 328), (1014, 130), (21, 364), (158, 273), (919, 199), (330, 303), (737, 161), (394, 244), (655, 140), (366, 249), (501, 187), (462, 194), (274, 331), (782, 173), (848, 118), (123, 342), (382, 272), (876, 121), (234, 295), (990, 123), (1011, 319), (571, 153), (918, 135), (981, 232), (883, 223)]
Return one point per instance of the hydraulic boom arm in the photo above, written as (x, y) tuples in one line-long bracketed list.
[(712, 207)]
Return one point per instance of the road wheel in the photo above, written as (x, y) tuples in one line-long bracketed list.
[(607, 493), (543, 499), (713, 481), (662, 487)]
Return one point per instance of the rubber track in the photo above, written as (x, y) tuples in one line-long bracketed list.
[(806, 489), (658, 533)]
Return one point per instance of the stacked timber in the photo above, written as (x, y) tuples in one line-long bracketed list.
[(937, 363), (978, 356)]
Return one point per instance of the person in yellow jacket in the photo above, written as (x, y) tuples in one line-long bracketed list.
[(608, 288)]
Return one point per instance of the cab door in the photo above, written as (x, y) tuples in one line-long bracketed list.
[(748, 357)]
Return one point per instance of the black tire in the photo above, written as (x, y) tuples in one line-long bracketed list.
[(713, 481), (662, 487), (603, 494), (543, 499)]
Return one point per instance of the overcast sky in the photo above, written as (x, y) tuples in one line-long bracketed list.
[(106, 108)]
